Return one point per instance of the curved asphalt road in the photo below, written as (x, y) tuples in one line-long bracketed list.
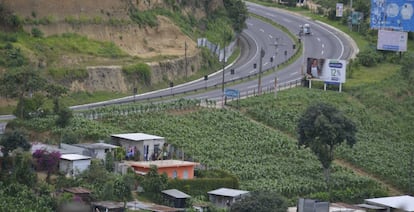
[(325, 42)]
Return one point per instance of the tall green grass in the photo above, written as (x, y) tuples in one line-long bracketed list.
[(70, 43)]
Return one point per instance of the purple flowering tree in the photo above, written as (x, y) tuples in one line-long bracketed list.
[(47, 161)]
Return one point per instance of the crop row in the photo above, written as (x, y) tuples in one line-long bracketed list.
[(385, 135), (263, 159)]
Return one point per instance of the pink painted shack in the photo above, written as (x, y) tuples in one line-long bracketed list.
[(173, 168)]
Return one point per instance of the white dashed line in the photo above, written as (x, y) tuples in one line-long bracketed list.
[(318, 39), (270, 36), (261, 30)]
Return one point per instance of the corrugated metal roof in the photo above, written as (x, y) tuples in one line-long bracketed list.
[(405, 202), (138, 136), (78, 190), (109, 204), (97, 146), (49, 148), (74, 157), (227, 192), (176, 194), (161, 163)]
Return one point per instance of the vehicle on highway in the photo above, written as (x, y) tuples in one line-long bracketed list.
[(305, 29)]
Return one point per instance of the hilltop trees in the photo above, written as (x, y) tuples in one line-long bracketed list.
[(238, 14), (322, 128)]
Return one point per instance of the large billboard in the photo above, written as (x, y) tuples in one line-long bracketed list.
[(392, 14), (392, 40), (327, 70), (339, 9)]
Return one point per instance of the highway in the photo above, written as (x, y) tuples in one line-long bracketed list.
[(325, 42)]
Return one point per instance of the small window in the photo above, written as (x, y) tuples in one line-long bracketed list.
[(185, 174), (174, 174)]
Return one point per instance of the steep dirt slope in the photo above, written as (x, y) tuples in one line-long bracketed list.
[(166, 39)]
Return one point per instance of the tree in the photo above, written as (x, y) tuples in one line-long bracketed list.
[(109, 161), (47, 161), (22, 171), (154, 183), (12, 140), (261, 201), (55, 91), (21, 83), (122, 189), (321, 128), (64, 116), (238, 13)]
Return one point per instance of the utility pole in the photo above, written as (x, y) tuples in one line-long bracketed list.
[(275, 86), (224, 66), (186, 61), (259, 86)]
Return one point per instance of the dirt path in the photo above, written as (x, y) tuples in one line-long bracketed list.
[(391, 189)]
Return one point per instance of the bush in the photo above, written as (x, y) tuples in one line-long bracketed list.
[(140, 71), (68, 74), (143, 18), (369, 57), (37, 33)]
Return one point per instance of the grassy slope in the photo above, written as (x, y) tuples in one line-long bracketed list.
[(387, 100), (382, 107)]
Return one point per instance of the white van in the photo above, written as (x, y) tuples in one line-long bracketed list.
[(305, 29)]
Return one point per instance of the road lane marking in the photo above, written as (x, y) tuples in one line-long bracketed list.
[(318, 39), (252, 86), (261, 30)]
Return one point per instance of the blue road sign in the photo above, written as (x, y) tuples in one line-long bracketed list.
[(233, 93)]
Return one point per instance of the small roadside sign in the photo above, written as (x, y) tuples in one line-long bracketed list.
[(233, 93)]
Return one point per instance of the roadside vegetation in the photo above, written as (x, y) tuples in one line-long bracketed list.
[(255, 140)]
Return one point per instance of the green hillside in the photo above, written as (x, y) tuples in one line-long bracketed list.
[(264, 154), (383, 111)]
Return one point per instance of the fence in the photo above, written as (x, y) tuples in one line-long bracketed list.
[(215, 48)]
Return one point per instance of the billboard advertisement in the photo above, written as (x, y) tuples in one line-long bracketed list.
[(339, 9), (392, 14), (327, 70), (392, 40)]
